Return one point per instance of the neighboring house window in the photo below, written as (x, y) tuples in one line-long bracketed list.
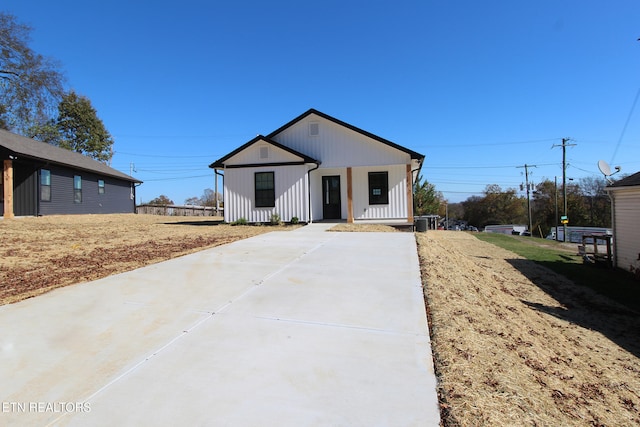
[(77, 189), (45, 185), (101, 186), (378, 188), (265, 190)]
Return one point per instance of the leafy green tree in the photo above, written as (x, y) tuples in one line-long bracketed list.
[(496, 207), (30, 84), (475, 211), (45, 132), (456, 211), (81, 130), (543, 207), (597, 201), (161, 200), (504, 207), (426, 199)]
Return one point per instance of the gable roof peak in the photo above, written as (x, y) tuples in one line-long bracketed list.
[(413, 154), (220, 163)]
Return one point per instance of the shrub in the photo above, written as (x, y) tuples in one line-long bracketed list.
[(294, 220), (240, 221), (275, 219)]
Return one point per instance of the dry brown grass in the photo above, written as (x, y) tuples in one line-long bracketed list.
[(516, 344), (40, 254), (363, 228)]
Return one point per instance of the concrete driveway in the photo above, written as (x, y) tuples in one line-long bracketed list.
[(302, 328)]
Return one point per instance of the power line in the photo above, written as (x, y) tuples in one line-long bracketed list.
[(177, 178), (624, 128), (491, 144), (485, 167), (209, 156)]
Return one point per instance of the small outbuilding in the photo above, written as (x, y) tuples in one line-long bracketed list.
[(317, 167), (42, 179), (625, 200)]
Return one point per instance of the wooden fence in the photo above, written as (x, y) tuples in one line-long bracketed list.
[(171, 210)]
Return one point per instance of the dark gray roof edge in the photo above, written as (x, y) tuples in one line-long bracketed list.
[(30, 148), (630, 181), (220, 162), (413, 154)]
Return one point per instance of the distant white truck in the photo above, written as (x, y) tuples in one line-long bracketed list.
[(506, 229), (574, 234)]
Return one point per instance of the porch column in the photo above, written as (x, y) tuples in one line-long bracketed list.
[(409, 194), (349, 197), (7, 177)]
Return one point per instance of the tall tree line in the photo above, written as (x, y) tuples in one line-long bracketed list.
[(587, 205)]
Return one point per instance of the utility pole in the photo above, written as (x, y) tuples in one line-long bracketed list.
[(526, 175), (565, 219), (132, 169), (555, 181)]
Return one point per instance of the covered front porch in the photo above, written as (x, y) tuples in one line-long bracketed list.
[(371, 194)]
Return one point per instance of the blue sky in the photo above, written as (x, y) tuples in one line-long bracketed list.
[(479, 88)]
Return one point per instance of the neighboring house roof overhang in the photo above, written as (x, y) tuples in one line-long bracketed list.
[(630, 181), (414, 155), (23, 147), (222, 163)]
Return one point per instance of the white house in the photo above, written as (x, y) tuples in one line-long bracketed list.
[(625, 196), (317, 167)]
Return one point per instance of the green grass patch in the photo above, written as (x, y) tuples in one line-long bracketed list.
[(616, 284)]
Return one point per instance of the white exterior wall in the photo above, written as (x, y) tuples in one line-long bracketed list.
[(337, 146), (397, 207), (291, 194), (252, 155), (627, 232), (362, 210)]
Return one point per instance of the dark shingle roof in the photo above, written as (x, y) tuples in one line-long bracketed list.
[(220, 162), (21, 146), (629, 181)]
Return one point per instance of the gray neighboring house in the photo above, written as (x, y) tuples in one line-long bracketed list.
[(625, 200), (41, 179)]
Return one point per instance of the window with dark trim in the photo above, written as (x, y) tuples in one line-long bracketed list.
[(378, 188), (45, 185), (77, 189), (101, 186), (265, 190)]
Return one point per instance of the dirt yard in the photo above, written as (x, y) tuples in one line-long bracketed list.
[(40, 254), (516, 344)]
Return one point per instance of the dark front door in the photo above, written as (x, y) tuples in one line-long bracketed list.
[(331, 197), (25, 189)]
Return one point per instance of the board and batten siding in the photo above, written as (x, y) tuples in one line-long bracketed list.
[(337, 146), (627, 232), (397, 206), (291, 191), (362, 210), (115, 199), (256, 155)]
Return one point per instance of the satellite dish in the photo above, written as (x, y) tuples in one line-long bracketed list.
[(604, 167)]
